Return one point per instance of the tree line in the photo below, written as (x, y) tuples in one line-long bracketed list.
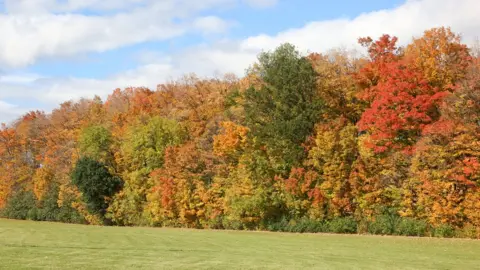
[(387, 143)]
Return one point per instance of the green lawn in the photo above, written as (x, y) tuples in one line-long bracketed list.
[(31, 245)]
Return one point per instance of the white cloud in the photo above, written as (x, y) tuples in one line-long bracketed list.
[(9, 112), (211, 24), (32, 30), (39, 6), (20, 78), (53, 91), (48, 6), (405, 21), (223, 57), (35, 29)]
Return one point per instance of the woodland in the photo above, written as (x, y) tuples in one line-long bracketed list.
[(384, 143)]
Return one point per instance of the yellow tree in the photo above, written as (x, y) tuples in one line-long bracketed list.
[(441, 56)]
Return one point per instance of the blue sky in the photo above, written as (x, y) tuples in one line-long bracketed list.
[(56, 50), (247, 21)]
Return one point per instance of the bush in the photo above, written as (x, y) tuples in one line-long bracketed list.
[(306, 225), (20, 206), (343, 225), (279, 226), (379, 226), (32, 214), (315, 226), (444, 230), (386, 223), (412, 227), (468, 231), (303, 225), (215, 223), (299, 226), (232, 224), (69, 215), (362, 226), (24, 205), (49, 209)]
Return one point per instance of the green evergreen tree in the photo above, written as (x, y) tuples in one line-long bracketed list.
[(95, 183), (282, 112)]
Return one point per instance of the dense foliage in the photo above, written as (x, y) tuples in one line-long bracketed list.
[(95, 183), (388, 143)]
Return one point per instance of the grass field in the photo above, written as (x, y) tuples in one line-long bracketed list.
[(31, 245)]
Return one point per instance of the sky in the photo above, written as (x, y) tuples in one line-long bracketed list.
[(52, 51)]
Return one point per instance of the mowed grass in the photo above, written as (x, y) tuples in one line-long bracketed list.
[(32, 245)]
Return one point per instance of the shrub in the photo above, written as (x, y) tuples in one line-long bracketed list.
[(386, 223), (444, 230), (215, 223), (306, 225), (343, 225), (49, 209), (48, 206), (23, 205), (303, 225), (315, 226), (468, 231), (412, 227), (19, 206), (232, 224), (362, 227), (299, 226), (279, 226), (32, 214)]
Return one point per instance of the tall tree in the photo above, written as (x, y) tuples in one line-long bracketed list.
[(440, 56), (141, 152), (282, 112), (402, 102), (95, 142)]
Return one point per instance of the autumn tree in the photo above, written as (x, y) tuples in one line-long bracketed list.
[(141, 152), (440, 56), (444, 187), (402, 102), (179, 192), (231, 143), (333, 154), (336, 86), (10, 169), (300, 143), (95, 142)]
